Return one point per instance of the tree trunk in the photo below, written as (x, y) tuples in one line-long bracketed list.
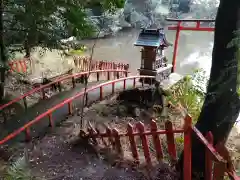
[(27, 48), (221, 106), (3, 55)]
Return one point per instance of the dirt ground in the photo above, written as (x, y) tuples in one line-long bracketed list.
[(61, 156)]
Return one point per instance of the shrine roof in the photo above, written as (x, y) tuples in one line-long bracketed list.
[(151, 38)]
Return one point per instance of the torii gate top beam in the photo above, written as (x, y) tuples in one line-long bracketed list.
[(181, 27)]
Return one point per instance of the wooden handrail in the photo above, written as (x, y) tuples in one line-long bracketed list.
[(68, 101), (54, 82)]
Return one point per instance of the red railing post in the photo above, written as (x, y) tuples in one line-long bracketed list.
[(124, 84), (170, 140), (220, 167), (117, 142), (73, 82), (132, 142), (134, 82), (86, 99), (208, 158), (28, 135), (101, 94), (187, 162), (51, 123), (113, 88), (97, 76), (156, 141), (43, 93), (141, 128), (108, 75), (70, 108), (176, 47)]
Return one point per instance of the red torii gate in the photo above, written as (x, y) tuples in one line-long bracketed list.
[(179, 27)]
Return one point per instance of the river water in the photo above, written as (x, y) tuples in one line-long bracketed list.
[(192, 48), (195, 51)]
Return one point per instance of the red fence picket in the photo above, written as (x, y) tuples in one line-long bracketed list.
[(19, 66), (138, 130), (156, 141)]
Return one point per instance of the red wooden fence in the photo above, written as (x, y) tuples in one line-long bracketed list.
[(106, 73), (216, 166), (139, 130), (19, 66), (69, 102), (24, 65)]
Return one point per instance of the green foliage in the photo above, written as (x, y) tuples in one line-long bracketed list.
[(18, 171), (112, 5), (44, 23), (189, 94)]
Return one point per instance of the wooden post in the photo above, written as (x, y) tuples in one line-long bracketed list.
[(132, 143), (187, 161), (156, 141)]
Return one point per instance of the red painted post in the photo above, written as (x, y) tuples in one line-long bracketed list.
[(73, 82), (51, 123), (97, 76), (118, 75), (108, 75), (124, 84), (132, 142), (43, 93), (86, 99), (156, 140), (170, 140), (18, 66), (176, 47), (187, 162), (101, 94), (198, 25), (208, 158), (117, 142), (70, 108), (220, 167), (141, 129), (22, 65), (113, 87), (28, 135), (25, 103), (11, 66), (134, 82)]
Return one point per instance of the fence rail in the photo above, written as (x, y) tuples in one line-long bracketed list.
[(216, 166), (81, 64), (127, 82), (72, 78), (139, 130)]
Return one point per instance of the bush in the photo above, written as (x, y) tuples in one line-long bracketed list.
[(189, 93)]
